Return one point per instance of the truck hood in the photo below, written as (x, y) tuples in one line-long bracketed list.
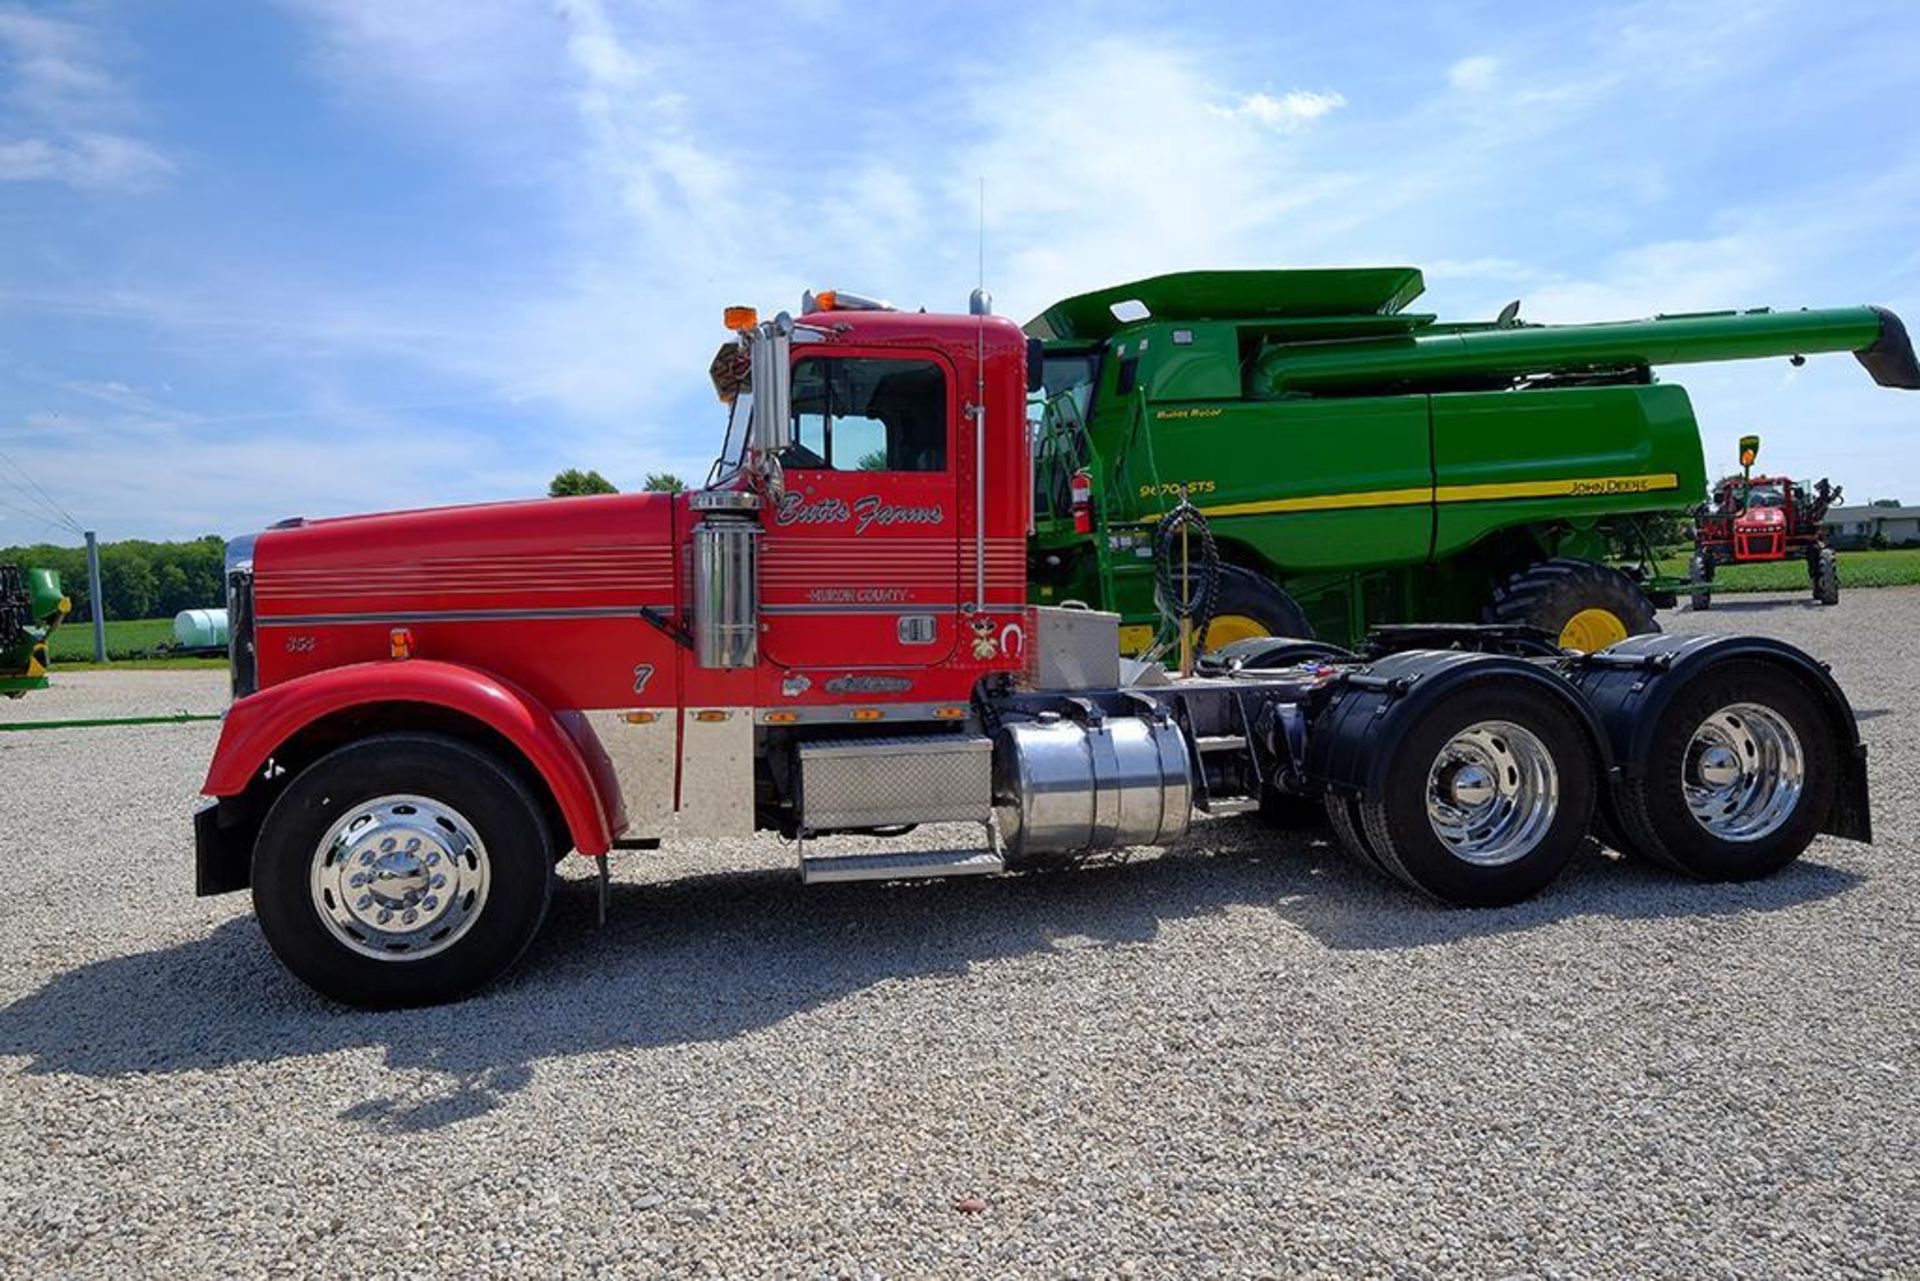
[(543, 556)]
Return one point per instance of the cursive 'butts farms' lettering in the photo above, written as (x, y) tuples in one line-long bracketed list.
[(865, 513)]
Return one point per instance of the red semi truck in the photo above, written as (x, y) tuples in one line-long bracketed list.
[(833, 636)]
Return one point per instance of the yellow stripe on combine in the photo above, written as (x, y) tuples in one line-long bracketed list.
[(1572, 487)]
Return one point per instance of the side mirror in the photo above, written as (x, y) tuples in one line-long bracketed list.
[(1036, 365), (771, 353)]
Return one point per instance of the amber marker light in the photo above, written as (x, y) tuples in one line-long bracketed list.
[(867, 713), (949, 713), (782, 718), (711, 716), (642, 718), (740, 318), (400, 643)]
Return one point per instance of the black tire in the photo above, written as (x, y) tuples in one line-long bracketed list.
[(1700, 570), (1245, 594), (1403, 837), (480, 790), (1550, 594), (1651, 814), (1826, 576), (1343, 815)]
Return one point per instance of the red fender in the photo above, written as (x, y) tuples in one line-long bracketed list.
[(258, 724)]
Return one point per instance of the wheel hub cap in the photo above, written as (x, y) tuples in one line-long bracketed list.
[(1744, 772), (400, 877), (1492, 793)]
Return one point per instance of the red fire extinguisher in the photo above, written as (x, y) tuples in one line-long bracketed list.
[(1080, 487)]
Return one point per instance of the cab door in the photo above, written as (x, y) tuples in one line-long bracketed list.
[(860, 559)]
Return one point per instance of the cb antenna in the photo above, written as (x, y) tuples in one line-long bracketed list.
[(981, 304)]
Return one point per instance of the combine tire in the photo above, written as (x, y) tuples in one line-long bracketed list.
[(1485, 799), (403, 869), (1587, 607), (1700, 572), (1247, 607), (1743, 769), (1826, 576)]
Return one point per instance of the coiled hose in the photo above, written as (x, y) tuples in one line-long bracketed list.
[(1194, 599)]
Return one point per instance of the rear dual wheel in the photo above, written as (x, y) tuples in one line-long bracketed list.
[(1743, 769), (1485, 798)]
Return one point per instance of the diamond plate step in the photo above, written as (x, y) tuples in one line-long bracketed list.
[(902, 865)]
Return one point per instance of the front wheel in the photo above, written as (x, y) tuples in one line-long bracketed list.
[(404, 869)]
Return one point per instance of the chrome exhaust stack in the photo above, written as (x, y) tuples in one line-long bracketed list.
[(726, 578)]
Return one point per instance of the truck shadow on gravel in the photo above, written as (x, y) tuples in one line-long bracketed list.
[(707, 958)]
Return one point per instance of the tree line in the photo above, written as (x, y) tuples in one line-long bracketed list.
[(139, 579)]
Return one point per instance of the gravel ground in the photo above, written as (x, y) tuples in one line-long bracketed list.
[(1244, 1057)]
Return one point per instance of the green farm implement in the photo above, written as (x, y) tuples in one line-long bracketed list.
[(1359, 463), (31, 606)]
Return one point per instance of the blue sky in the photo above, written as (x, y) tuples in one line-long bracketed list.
[(318, 257)]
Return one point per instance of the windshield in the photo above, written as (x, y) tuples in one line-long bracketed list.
[(1069, 374), (1766, 496)]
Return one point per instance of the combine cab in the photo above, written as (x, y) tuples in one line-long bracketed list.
[(31, 606), (1764, 518)]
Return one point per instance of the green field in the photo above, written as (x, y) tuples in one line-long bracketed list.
[(1899, 568), (132, 638)]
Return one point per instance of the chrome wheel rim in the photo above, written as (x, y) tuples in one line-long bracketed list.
[(1744, 772), (1492, 793), (400, 878)]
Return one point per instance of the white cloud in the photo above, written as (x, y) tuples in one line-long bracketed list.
[(68, 114), (1293, 110), (88, 160), (1473, 74)]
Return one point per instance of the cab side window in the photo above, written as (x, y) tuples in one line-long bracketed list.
[(868, 413)]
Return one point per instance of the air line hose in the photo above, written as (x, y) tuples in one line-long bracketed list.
[(1190, 596)]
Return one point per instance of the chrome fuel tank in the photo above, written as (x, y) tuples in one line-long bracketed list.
[(1063, 788)]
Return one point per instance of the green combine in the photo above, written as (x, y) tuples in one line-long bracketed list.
[(31, 606), (1359, 463)]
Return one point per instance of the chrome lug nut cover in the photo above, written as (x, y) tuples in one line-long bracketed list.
[(1744, 772), (1492, 793), (371, 886)]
